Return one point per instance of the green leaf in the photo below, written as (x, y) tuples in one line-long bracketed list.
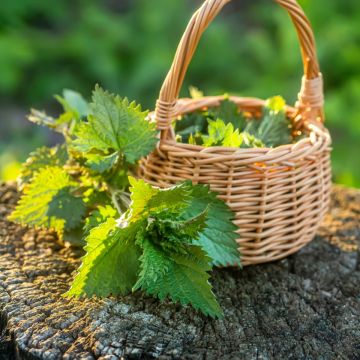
[(171, 233), (116, 124), (195, 226), (48, 202), (94, 193), (101, 163), (219, 238), (155, 246), (98, 216), (274, 129), (147, 200), (250, 141), (226, 122), (172, 200), (182, 277), (40, 158), (75, 107), (196, 139), (233, 139), (73, 102), (217, 131), (252, 126), (74, 237), (111, 265), (64, 205), (202, 220), (221, 134), (194, 124), (141, 193), (229, 112), (154, 263), (190, 124)]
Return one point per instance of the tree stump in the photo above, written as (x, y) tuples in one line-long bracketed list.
[(304, 307)]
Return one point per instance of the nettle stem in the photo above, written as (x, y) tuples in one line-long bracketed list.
[(120, 199), (114, 201)]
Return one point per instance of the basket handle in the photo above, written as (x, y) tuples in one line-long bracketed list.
[(310, 99)]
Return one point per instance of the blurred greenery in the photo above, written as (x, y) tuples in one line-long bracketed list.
[(127, 47)]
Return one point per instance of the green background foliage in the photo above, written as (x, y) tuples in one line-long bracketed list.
[(127, 47)]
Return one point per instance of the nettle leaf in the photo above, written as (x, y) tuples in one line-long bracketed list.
[(233, 139), (190, 124), (227, 126), (172, 238), (182, 277), (229, 112), (74, 236), (275, 128), (171, 234), (250, 141), (196, 139), (116, 124), (101, 163), (172, 200), (141, 193), (219, 238), (154, 264), (161, 240), (40, 158), (146, 199), (217, 131), (99, 216), (66, 206), (48, 202), (96, 218), (221, 134), (252, 125), (152, 247), (195, 226), (74, 103), (111, 263), (74, 106)]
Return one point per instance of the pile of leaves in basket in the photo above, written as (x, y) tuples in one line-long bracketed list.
[(137, 237)]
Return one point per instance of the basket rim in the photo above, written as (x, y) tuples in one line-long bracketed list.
[(317, 140)]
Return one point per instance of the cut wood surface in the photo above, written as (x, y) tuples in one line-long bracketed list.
[(304, 307)]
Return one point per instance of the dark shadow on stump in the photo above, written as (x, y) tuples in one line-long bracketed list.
[(304, 307)]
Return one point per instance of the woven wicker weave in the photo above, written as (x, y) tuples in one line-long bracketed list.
[(279, 195)]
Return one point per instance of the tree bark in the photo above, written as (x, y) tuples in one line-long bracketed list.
[(304, 307)]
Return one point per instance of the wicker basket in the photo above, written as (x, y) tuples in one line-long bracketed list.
[(279, 195)]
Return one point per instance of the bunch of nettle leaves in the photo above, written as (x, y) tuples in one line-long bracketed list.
[(136, 237), (229, 127)]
